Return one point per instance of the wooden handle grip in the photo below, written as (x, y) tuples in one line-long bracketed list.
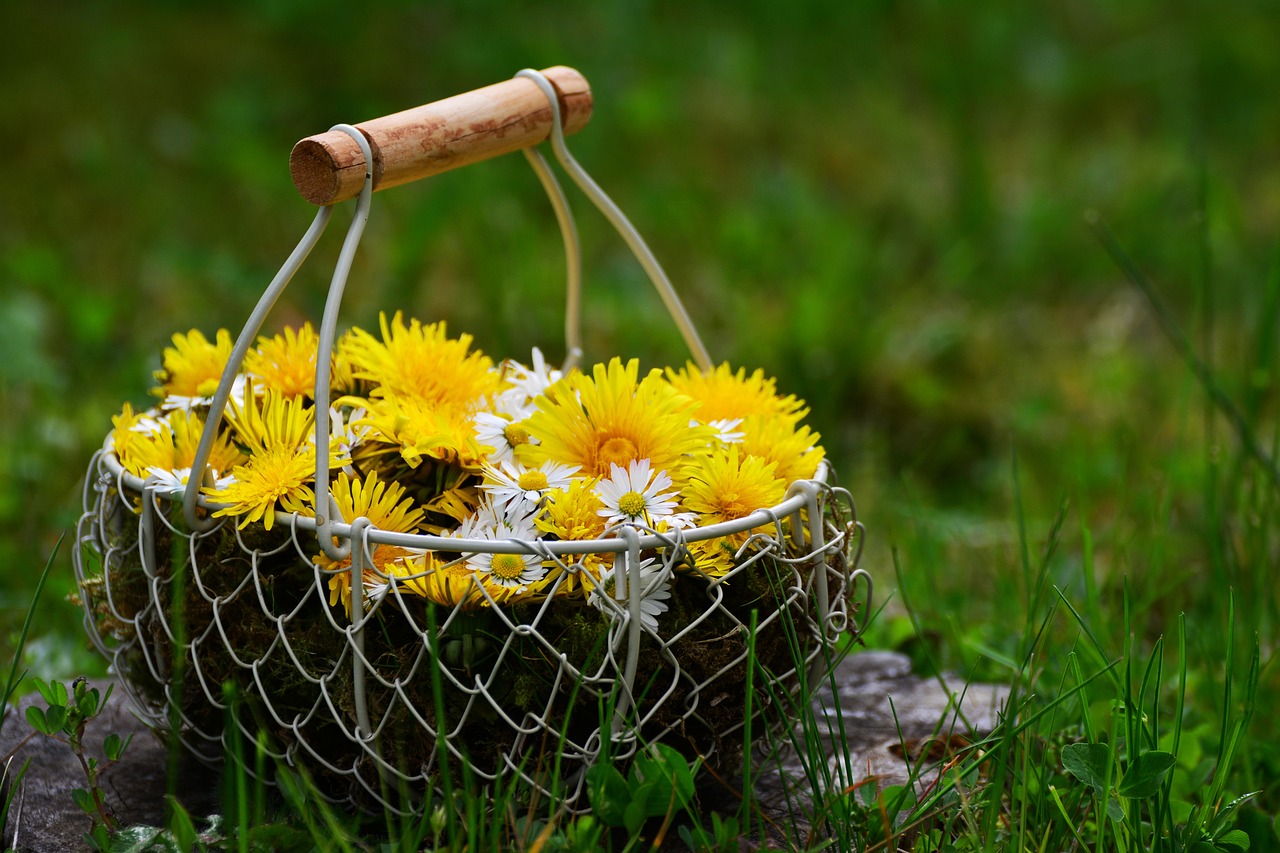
[(328, 168)]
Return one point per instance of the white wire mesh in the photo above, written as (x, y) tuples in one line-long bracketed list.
[(378, 707), (211, 626)]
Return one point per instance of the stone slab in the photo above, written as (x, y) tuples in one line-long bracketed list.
[(881, 705), (44, 817)]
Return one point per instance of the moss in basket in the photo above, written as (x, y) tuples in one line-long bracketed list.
[(467, 646)]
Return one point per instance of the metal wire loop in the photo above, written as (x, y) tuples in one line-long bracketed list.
[(621, 223), (324, 355)]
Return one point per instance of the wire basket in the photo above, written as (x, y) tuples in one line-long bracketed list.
[(221, 631)]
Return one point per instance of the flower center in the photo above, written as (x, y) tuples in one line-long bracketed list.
[(515, 434), (617, 451), (532, 481), (385, 556), (507, 567), (632, 503)]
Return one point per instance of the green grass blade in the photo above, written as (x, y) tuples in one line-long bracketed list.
[(13, 678)]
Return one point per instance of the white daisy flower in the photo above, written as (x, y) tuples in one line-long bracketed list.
[(676, 521), (513, 404), (531, 382), (725, 430), (502, 434), (148, 424), (172, 481), (507, 570), (179, 402), (636, 494), (480, 524), (376, 585), (655, 590), (346, 433), (517, 489)]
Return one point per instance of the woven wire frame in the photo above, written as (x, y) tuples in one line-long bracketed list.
[(355, 717)]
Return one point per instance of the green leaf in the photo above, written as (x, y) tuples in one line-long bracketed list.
[(633, 817), (1223, 816), (87, 702), (56, 717), (1235, 841), (38, 721), (82, 799), (660, 779), (112, 746), (181, 825), (98, 838), (702, 841), (1115, 811), (1146, 774), (656, 797), (608, 793), (137, 839), (53, 692), (1088, 763), (674, 766)]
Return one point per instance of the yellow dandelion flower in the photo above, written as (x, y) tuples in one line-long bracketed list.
[(613, 418), (725, 395), (793, 448), (726, 485), (187, 428), (574, 514), (286, 362), (275, 476), (277, 431), (421, 430), (342, 379), (131, 437), (449, 584), (143, 442), (714, 557), (422, 362), (275, 422), (193, 366), (385, 505), (389, 561), (457, 503)]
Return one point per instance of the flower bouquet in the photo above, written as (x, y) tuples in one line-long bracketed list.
[(402, 559)]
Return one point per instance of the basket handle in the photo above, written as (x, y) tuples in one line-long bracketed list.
[(416, 143), (367, 158)]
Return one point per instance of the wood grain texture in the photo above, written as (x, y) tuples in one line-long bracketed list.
[(416, 143)]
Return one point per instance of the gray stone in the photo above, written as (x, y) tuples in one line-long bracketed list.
[(45, 818), (876, 707), (874, 725)]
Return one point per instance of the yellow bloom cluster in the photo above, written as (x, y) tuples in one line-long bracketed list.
[(429, 435)]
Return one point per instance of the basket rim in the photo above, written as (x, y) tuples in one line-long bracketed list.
[(800, 494)]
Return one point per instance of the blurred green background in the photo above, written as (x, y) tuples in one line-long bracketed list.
[(878, 202)]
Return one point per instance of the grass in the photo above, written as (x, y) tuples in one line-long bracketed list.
[(882, 204)]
